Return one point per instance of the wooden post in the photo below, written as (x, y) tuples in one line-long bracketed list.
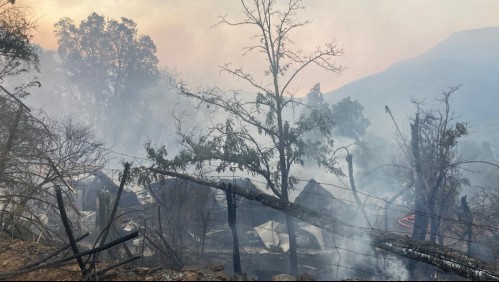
[(231, 211), (107, 228)]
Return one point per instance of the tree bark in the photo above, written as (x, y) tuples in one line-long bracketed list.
[(232, 215), (421, 219), (468, 219), (352, 180), (421, 214), (445, 258), (293, 251)]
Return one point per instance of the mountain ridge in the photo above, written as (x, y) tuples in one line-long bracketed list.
[(468, 58)]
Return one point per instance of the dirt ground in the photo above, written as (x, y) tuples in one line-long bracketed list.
[(16, 255)]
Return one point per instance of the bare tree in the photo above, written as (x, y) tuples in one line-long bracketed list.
[(432, 163), (42, 153), (256, 136)]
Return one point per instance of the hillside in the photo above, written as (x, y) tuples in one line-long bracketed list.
[(468, 58)]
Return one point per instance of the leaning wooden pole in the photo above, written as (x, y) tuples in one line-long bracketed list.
[(69, 231), (445, 258)]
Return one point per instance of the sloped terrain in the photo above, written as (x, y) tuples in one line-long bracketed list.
[(16, 254), (468, 58)]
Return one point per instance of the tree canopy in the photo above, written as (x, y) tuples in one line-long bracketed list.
[(110, 64), (17, 53)]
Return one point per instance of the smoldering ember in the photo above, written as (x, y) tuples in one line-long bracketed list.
[(249, 140)]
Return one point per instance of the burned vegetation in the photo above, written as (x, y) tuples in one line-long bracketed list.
[(266, 186)]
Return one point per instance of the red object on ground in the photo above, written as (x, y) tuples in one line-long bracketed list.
[(408, 221)]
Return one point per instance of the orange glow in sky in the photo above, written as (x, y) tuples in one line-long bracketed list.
[(374, 34)]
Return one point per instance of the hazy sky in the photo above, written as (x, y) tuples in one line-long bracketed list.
[(374, 34)]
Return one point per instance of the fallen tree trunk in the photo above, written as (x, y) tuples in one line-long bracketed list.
[(445, 258), (320, 220)]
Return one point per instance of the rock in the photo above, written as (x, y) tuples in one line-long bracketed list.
[(142, 270), (283, 277), (242, 277), (305, 277), (190, 276), (217, 268), (220, 275)]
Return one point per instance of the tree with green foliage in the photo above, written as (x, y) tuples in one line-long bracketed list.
[(349, 119), (110, 64), (258, 136), (17, 53), (435, 164)]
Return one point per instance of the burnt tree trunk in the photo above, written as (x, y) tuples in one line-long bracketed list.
[(420, 204), (349, 159), (468, 220), (421, 214), (445, 258), (232, 215), (434, 217)]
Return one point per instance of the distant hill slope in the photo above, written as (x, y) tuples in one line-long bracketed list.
[(470, 58)]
